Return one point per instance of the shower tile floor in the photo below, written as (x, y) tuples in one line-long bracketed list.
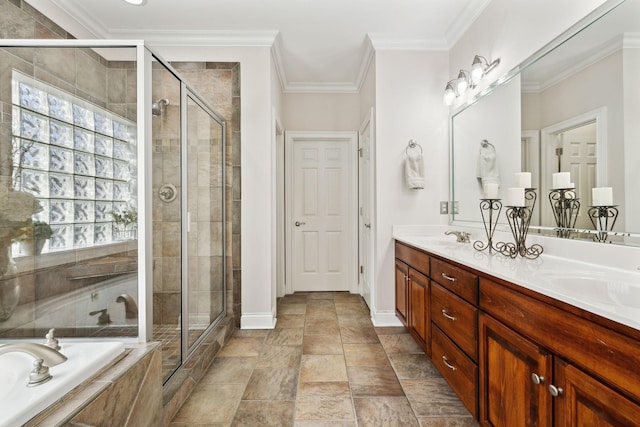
[(324, 365)]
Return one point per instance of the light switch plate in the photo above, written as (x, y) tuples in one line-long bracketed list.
[(444, 208), (456, 209)]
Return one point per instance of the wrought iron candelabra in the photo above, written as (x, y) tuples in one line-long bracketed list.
[(519, 218), (603, 219), (490, 210), (565, 207)]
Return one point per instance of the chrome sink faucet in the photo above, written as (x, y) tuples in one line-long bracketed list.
[(44, 357), (461, 236)]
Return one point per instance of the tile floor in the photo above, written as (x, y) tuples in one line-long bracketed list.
[(324, 365)]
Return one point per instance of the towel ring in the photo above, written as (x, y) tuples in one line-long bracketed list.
[(412, 144), (484, 144)]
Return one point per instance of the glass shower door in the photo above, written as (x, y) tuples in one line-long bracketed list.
[(204, 263)]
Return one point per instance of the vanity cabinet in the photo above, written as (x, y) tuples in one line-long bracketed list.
[(412, 293), (541, 365), (516, 357)]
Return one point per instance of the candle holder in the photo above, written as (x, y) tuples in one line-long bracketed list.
[(490, 221), (603, 219), (565, 207), (519, 218)]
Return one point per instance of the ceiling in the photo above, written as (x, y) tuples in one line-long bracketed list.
[(318, 45)]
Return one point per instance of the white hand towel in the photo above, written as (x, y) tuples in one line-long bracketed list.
[(414, 169)]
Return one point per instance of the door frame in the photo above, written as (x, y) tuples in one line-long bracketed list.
[(351, 138)]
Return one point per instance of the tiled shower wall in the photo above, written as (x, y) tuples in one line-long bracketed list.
[(219, 85)]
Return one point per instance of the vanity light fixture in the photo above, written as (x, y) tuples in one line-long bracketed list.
[(480, 66), (449, 93), (136, 2), (463, 83)]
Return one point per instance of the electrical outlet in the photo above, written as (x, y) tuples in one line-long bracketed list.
[(444, 208), (456, 209)]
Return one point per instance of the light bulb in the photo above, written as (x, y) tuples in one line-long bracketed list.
[(477, 71), (462, 82)]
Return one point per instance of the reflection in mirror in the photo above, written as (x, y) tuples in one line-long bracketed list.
[(579, 108)]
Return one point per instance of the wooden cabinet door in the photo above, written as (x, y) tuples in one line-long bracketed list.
[(402, 288), (419, 320), (509, 397), (586, 402)]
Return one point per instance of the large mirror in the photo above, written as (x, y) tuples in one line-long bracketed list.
[(572, 107)]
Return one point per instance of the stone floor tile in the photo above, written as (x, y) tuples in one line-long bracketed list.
[(448, 422), (290, 321), (358, 335), (326, 303), (229, 370), (295, 308), (400, 343), (320, 368), (272, 384), (373, 381), (279, 356), (241, 347), (413, 366), (200, 407), (260, 413), (433, 398), (321, 327), (289, 336), (322, 344), (365, 355), (353, 309), (391, 330), (321, 312), (324, 423), (351, 320), (321, 295), (384, 412)]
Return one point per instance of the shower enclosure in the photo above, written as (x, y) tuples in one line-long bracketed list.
[(112, 197)]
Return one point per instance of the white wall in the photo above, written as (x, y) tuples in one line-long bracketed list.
[(321, 111), (408, 102), (631, 71)]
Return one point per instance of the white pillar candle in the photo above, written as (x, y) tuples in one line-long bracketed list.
[(491, 190), (561, 180), (523, 179), (515, 196), (602, 196)]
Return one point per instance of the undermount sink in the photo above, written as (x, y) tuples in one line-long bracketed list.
[(597, 289), (444, 242)]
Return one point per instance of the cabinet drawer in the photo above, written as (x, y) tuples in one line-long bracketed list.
[(459, 371), (602, 352), (413, 257), (457, 280), (457, 318)]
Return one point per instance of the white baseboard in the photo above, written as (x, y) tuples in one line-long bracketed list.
[(385, 318), (258, 321)]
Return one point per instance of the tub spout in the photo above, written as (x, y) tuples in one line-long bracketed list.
[(44, 357), (130, 306)]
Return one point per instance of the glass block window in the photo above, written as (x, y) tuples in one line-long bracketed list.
[(77, 159)]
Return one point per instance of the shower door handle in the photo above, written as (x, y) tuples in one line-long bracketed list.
[(298, 223)]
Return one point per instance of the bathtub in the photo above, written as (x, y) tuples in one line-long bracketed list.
[(19, 403), (81, 310)]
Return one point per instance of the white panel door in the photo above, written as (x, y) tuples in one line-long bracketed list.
[(365, 209), (320, 216), (579, 157)]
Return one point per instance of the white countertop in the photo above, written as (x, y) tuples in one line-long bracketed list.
[(612, 293)]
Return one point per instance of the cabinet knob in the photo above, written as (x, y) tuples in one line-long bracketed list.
[(537, 379), (555, 391), (447, 315), (449, 278), (448, 364)]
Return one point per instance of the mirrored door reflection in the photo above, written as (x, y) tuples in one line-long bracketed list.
[(205, 203), (167, 217)]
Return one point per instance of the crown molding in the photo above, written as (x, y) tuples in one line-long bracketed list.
[(623, 41), (201, 37), (461, 24), (328, 87), (365, 64)]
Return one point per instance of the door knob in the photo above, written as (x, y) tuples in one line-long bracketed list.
[(298, 223)]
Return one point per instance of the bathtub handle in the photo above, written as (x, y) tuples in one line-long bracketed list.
[(104, 318)]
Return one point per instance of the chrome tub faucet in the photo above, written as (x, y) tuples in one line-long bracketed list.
[(44, 357)]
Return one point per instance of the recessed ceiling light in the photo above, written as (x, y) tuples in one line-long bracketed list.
[(136, 2)]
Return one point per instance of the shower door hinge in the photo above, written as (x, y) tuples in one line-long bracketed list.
[(360, 151), (559, 151), (361, 270)]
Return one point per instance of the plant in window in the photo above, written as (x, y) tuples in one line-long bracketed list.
[(34, 236), (126, 224)]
